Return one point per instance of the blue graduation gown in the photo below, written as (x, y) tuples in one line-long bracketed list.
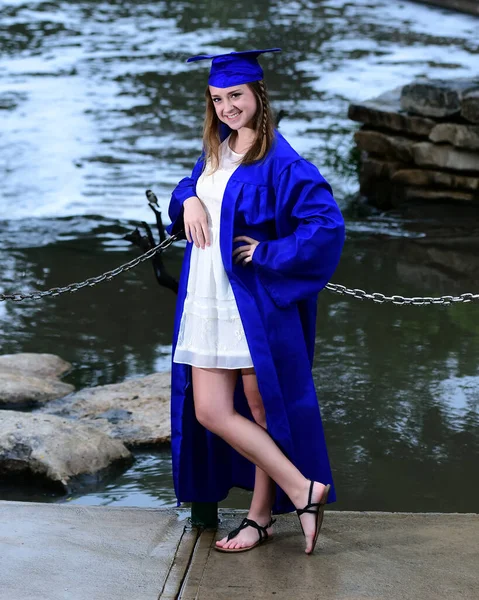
[(286, 204)]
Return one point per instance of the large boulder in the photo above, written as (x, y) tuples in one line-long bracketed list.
[(434, 179), (136, 411), (374, 168), (384, 112), (20, 391), (462, 136), (395, 147), (53, 449), (407, 194), (445, 157), (42, 365), (436, 97), (28, 379)]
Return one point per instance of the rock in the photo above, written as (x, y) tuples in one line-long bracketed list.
[(470, 107), (42, 365), (462, 136), (397, 165), (375, 180), (445, 157), (389, 146), (412, 193), (436, 97), (137, 411), (428, 178), (384, 112), (28, 379), (467, 6), (440, 263), (373, 168), (18, 390), (54, 449)]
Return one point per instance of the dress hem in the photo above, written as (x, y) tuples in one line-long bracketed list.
[(203, 366)]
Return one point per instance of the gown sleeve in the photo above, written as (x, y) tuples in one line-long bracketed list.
[(299, 265), (184, 190)]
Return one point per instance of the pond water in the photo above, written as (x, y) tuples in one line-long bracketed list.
[(97, 105)]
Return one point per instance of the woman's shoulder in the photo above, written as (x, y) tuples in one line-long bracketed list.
[(283, 155), (282, 148), (281, 159)]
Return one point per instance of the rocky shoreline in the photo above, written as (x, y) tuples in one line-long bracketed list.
[(420, 143), (67, 435)]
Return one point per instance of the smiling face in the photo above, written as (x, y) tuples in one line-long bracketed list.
[(236, 106)]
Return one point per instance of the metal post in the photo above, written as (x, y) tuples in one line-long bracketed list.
[(204, 514)]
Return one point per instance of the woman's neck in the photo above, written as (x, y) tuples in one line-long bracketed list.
[(242, 141)]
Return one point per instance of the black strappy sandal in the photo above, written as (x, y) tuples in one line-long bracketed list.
[(263, 535), (316, 508)]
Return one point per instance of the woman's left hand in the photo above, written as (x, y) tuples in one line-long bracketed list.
[(244, 253)]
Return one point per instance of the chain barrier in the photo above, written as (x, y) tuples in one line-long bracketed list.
[(74, 287), (401, 300), (332, 287)]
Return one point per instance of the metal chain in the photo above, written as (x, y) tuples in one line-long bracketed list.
[(332, 287), (415, 300), (74, 287)]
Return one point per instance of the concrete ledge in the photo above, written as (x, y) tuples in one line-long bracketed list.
[(71, 552), (360, 555)]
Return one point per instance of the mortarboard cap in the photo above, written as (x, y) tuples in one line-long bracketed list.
[(234, 68)]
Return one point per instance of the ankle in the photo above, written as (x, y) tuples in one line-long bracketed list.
[(300, 494), (261, 517)]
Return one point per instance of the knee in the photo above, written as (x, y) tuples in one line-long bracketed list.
[(204, 415), (211, 419)]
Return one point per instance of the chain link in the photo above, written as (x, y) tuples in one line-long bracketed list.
[(74, 287), (400, 300), (332, 287)]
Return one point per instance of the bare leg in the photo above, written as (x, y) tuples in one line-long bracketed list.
[(213, 396), (264, 487)]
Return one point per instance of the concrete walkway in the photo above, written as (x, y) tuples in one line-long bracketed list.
[(70, 552)]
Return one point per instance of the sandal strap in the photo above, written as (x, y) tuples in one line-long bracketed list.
[(308, 507), (263, 534)]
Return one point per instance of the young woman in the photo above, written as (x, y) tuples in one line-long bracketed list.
[(264, 237)]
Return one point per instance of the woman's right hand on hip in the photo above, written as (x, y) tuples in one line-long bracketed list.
[(196, 222)]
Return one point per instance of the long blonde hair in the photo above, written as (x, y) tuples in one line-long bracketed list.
[(263, 124)]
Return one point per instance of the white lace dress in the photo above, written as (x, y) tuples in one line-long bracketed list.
[(211, 334)]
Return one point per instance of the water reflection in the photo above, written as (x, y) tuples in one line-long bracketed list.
[(398, 387), (102, 330), (148, 483), (97, 105)]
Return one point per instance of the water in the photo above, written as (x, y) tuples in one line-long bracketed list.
[(98, 105)]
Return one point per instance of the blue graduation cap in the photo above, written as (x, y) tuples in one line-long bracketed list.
[(234, 68)]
